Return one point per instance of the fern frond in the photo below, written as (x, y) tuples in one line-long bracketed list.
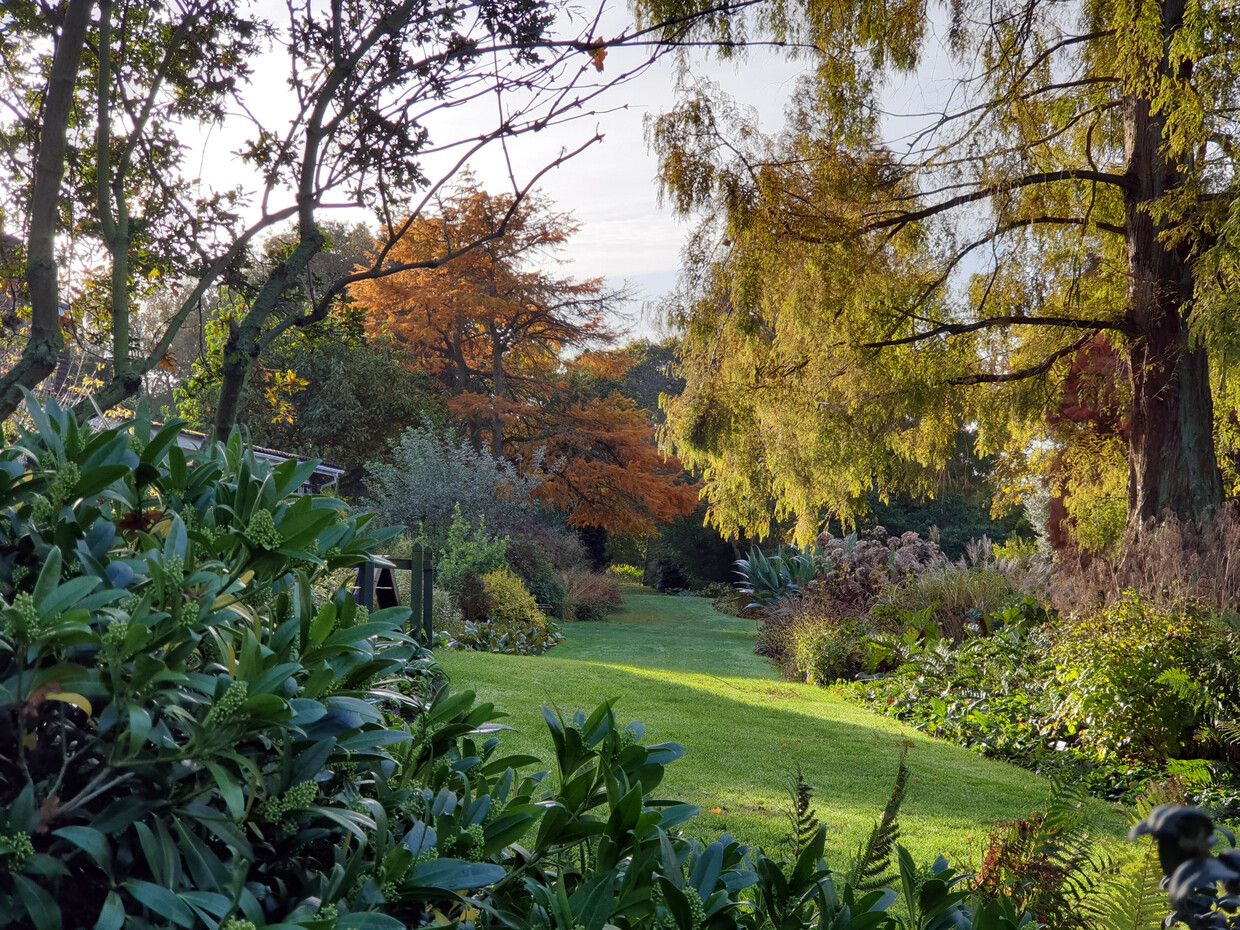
[(871, 867), (1156, 794), (802, 814), (1133, 899), (1228, 731), (1192, 772), (1047, 864)]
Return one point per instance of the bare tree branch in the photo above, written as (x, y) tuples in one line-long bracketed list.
[(1033, 371)]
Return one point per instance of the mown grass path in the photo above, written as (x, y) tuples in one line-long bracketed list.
[(690, 675)]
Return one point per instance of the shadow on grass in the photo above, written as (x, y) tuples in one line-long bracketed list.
[(690, 675), (743, 740)]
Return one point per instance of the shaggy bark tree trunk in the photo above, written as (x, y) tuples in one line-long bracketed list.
[(1171, 458)]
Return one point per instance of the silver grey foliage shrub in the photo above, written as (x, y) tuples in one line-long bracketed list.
[(429, 475)]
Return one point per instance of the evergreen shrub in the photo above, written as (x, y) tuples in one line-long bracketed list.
[(469, 552), (195, 739)]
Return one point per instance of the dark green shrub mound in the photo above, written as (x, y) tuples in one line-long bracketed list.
[(185, 729)]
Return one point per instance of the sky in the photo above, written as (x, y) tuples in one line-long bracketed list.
[(626, 237)]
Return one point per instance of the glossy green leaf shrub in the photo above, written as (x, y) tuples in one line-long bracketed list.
[(192, 732)]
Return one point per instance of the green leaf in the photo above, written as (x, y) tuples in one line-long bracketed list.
[(594, 902), (706, 870), (213, 904), (161, 901), (96, 479), (90, 841), (677, 814), (139, 728), (160, 852), (176, 543), (230, 790), (204, 866), (369, 921), (374, 739), (49, 577), (454, 875), (42, 908), (112, 914), (67, 595), (419, 838), (323, 624)]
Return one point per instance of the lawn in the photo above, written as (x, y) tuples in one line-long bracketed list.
[(690, 675)]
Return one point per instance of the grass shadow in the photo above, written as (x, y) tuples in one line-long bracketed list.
[(690, 675)]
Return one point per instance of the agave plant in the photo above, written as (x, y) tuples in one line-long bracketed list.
[(768, 579)]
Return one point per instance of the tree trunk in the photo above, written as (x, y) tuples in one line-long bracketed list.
[(245, 339), (497, 393), (1171, 460), (44, 341)]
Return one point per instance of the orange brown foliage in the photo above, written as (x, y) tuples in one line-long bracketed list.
[(495, 329)]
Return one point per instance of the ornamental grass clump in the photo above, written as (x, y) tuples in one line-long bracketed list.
[(1178, 565), (589, 596)]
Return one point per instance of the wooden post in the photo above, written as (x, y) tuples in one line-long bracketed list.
[(421, 570), (366, 585), (428, 595), (415, 594)]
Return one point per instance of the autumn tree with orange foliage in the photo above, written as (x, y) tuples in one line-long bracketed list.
[(601, 463), (495, 327), (491, 323)]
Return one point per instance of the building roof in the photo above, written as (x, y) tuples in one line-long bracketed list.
[(192, 440)]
